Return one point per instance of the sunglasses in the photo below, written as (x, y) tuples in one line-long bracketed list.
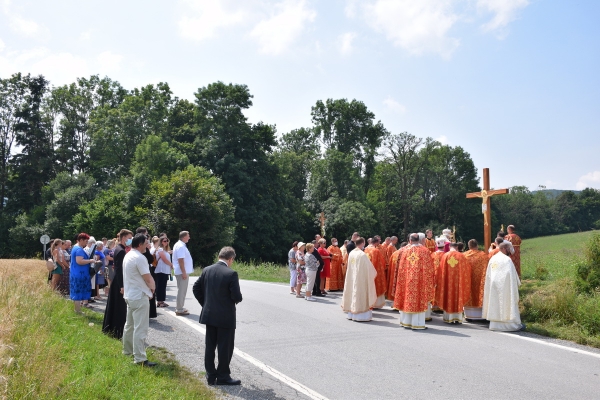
[(165, 241)]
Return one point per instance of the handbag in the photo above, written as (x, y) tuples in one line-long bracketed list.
[(50, 265)]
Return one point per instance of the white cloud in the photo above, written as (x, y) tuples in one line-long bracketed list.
[(393, 105), (417, 26), (109, 62), (443, 139), (350, 9), (1, 45), (17, 23), (591, 179), (276, 33), (505, 11), (59, 68), (346, 42), (207, 16)]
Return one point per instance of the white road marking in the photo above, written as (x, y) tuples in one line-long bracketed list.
[(539, 341), (264, 367)]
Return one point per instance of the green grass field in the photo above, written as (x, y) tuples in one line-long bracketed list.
[(550, 304), (266, 272)]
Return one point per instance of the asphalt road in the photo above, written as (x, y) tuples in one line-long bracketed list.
[(315, 345)]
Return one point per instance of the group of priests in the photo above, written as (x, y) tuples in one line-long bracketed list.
[(429, 274)]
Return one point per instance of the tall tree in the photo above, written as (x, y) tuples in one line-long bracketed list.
[(116, 131), (350, 128), (32, 168), (75, 103), (12, 97), (238, 153)]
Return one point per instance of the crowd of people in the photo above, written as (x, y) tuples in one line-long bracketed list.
[(132, 270), (425, 274)]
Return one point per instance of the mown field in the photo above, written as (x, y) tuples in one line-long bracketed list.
[(49, 352)]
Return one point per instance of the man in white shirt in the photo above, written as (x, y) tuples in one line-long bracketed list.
[(138, 287), (183, 265)]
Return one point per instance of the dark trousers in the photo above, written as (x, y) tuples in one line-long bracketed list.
[(223, 340), (161, 286), (317, 287)]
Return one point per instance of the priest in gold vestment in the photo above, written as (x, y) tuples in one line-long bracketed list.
[(378, 261), (501, 293), (453, 289), (414, 287), (479, 262), (360, 293)]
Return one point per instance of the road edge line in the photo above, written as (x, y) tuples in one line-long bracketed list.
[(257, 363)]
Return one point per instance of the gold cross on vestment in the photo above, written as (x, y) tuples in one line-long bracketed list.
[(452, 262), (413, 258), (485, 195)]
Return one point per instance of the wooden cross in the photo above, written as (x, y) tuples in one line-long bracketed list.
[(485, 195), (322, 219)]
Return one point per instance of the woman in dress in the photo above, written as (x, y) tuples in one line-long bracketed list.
[(80, 284), (300, 269), (163, 270), (63, 284), (59, 262), (326, 256), (311, 268)]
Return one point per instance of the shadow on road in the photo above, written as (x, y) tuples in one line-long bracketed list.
[(433, 331), (242, 392), (385, 324)]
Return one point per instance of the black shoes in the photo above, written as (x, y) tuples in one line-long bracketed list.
[(147, 363), (228, 381), (211, 380)]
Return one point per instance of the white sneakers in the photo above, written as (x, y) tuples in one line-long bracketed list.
[(310, 298)]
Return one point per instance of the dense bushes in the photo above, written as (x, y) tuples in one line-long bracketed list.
[(588, 271)]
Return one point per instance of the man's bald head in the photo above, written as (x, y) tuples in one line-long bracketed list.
[(505, 248)]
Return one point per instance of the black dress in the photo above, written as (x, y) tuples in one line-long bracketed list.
[(150, 258), (115, 313)]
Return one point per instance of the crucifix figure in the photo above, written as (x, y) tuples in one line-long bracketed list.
[(322, 219), (485, 195)]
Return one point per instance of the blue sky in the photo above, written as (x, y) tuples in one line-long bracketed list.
[(514, 82)]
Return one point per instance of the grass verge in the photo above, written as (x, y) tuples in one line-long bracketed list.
[(47, 351), (265, 272), (550, 303)]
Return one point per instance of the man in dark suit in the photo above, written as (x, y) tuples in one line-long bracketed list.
[(218, 291)]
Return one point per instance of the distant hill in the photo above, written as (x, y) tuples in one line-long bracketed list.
[(554, 193)]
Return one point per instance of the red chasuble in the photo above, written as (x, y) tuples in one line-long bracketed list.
[(336, 278), (453, 289), (378, 262), (414, 289), (516, 256), (479, 262), (392, 273), (436, 257)]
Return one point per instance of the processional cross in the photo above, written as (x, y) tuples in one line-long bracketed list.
[(485, 195), (322, 219)]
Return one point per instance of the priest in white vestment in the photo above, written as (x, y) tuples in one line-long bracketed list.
[(501, 293), (360, 293)]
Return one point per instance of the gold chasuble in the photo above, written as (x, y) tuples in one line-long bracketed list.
[(430, 244), (392, 273), (453, 288), (515, 240), (414, 287), (479, 262), (359, 294), (336, 279)]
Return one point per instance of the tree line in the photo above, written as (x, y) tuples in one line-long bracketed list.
[(94, 156)]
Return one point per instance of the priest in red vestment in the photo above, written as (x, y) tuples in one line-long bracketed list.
[(378, 261), (336, 278), (414, 288), (437, 257), (430, 242), (479, 262), (453, 289), (515, 240)]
